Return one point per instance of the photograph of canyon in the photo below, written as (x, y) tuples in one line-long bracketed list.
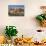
[(16, 10)]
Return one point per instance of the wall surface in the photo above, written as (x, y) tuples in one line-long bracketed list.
[(27, 24)]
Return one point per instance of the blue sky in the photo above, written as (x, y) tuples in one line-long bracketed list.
[(15, 6)]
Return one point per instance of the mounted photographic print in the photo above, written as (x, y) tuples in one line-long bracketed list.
[(16, 10)]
